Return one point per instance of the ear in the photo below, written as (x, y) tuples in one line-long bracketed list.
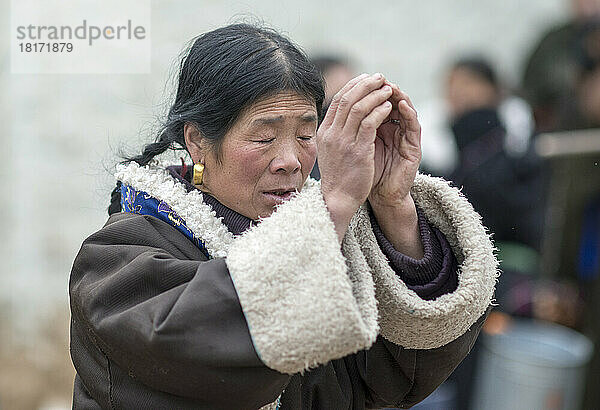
[(193, 142)]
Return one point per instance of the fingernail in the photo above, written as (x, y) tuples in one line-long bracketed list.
[(387, 88), (378, 76)]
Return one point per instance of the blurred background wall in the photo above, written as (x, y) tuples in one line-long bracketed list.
[(62, 134)]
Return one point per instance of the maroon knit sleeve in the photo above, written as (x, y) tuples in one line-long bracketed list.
[(433, 275)]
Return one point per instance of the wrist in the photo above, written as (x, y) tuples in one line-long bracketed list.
[(401, 206), (341, 211), (399, 223)]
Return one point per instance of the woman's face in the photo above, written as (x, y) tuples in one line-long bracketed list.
[(265, 157)]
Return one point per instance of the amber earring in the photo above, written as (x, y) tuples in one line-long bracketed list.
[(198, 174)]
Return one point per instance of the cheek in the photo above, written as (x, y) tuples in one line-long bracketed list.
[(308, 155), (247, 167)]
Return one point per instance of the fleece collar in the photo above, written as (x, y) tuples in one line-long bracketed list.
[(194, 217)]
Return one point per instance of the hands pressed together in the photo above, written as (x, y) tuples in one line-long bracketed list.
[(369, 147)]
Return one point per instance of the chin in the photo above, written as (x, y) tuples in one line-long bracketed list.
[(266, 213)]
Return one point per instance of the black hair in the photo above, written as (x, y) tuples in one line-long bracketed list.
[(478, 66), (225, 71)]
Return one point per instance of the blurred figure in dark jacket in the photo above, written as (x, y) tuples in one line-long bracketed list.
[(440, 152), (505, 186)]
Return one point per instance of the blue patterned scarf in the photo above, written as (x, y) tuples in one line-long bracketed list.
[(142, 203)]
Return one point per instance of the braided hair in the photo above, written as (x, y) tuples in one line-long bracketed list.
[(225, 71)]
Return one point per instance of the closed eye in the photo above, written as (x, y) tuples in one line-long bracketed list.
[(305, 137), (265, 141)]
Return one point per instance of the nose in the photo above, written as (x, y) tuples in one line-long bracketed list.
[(286, 159)]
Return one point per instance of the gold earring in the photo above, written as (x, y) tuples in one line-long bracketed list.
[(198, 173)]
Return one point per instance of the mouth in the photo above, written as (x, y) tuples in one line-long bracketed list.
[(280, 195)]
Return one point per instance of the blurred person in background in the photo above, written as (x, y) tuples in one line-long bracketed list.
[(551, 70), (502, 176), (440, 151), (500, 172), (581, 262), (238, 282), (581, 110)]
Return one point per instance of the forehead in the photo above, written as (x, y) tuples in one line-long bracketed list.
[(280, 108)]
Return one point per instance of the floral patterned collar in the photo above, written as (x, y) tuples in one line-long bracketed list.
[(142, 203)]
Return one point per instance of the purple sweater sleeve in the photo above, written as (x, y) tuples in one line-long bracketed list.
[(433, 275)]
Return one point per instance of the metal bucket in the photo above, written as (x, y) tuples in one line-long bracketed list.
[(533, 365)]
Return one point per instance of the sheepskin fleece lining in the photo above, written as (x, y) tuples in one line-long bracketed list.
[(314, 311), (324, 302), (405, 318), (198, 216)]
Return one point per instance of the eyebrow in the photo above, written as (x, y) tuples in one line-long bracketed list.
[(306, 118)]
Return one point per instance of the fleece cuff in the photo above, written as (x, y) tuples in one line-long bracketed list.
[(405, 318), (303, 307)]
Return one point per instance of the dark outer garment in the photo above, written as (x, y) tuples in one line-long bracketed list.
[(156, 325), (508, 192)]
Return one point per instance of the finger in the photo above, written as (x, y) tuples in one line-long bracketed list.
[(364, 107), (413, 128), (396, 94), (394, 99), (328, 120), (409, 115), (405, 97), (357, 93), (368, 126)]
